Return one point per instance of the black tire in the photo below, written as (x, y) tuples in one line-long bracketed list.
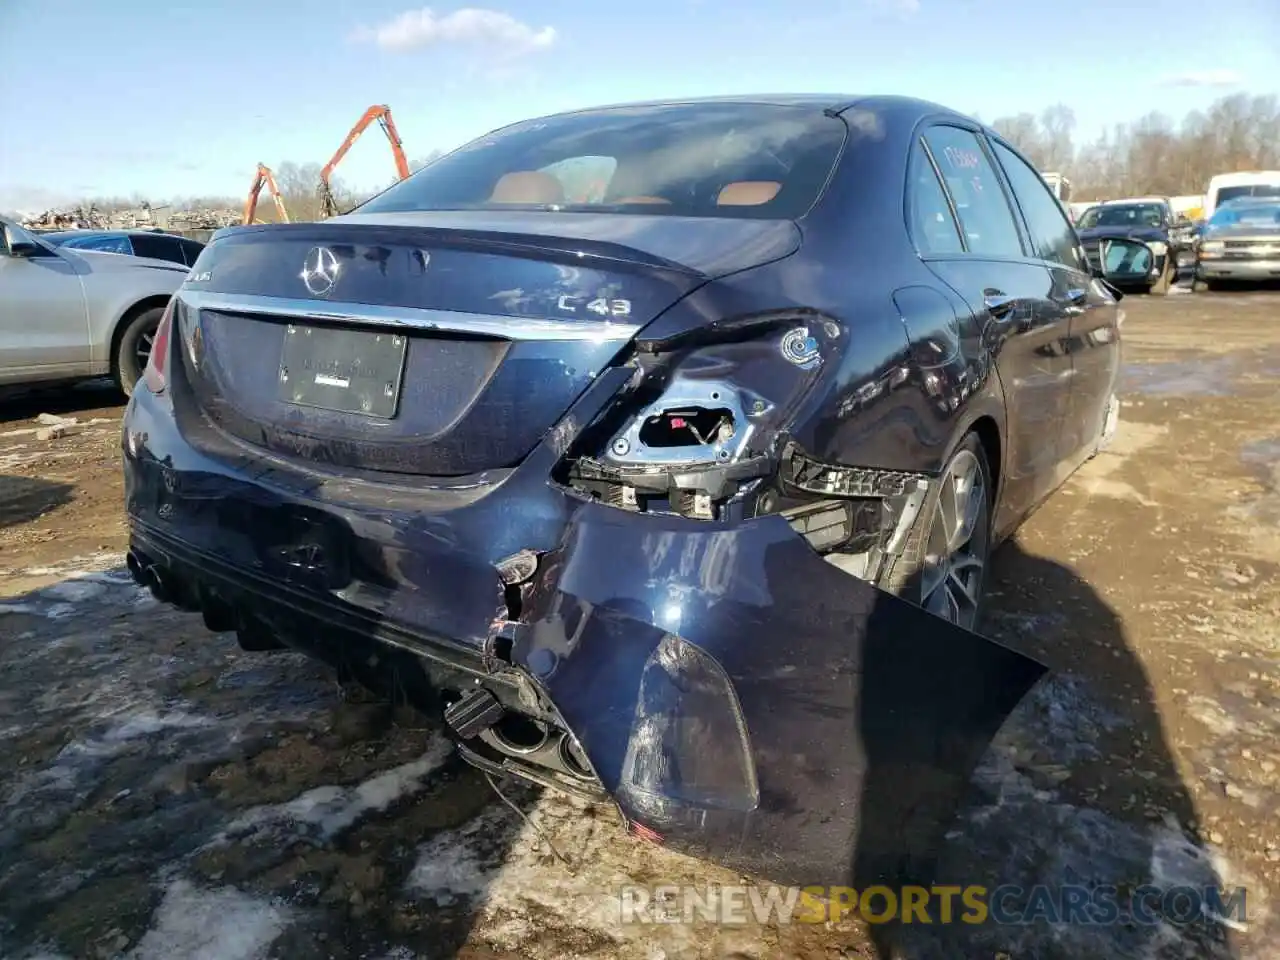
[(903, 576), (135, 343)]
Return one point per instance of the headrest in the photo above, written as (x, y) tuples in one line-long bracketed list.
[(748, 193), (527, 186)]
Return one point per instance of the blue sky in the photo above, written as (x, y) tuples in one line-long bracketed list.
[(182, 97)]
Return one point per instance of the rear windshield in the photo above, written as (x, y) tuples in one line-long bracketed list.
[(689, 160), (1249, 190)]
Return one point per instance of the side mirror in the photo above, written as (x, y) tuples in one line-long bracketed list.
[(1124, 261)]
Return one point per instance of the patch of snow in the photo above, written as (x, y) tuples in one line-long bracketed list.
[(218, 924), (76, 589), (324, 812), (73, 759)]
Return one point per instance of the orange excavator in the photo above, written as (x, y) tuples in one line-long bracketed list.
[(264, 176), (382, 114)]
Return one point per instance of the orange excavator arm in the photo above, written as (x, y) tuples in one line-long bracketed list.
[(382, 114), (264, 176)]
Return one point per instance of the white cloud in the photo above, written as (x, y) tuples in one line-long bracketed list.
[(470, 26), (1204, 78)]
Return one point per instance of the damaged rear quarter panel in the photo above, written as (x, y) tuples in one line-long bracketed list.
[(863, 714)]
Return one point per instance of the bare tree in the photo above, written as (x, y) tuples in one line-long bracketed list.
[(1153, 154)]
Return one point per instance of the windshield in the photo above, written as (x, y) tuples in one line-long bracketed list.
[(1124, 215), (1247, 214), (1248, 190), (691, 160)]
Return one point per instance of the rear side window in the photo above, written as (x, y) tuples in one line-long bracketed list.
[(1051, 233), (191, 250), (932, 225), (985, 217), (158, 247), (689, 159)]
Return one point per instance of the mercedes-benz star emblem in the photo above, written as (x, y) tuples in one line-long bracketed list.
[(320, 270)]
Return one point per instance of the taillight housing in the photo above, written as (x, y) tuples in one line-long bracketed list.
[(720, 401), (154, 375)]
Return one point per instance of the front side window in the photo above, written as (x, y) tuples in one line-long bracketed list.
[(691, 159), (1051, 233), (985, 217)]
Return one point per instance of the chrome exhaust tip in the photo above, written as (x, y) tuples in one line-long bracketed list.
[(137, 569), (572, 758), (158, 583), (519, 735)]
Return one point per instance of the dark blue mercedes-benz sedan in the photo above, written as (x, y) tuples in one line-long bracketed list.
[(657, 450)]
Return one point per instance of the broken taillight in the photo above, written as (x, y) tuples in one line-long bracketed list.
[(154, 375), (689, 745)]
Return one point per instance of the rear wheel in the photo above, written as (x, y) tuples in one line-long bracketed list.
[(943, 567), (133, 350)]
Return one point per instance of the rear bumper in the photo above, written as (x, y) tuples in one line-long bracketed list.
[(1246, 270), (732, 691)]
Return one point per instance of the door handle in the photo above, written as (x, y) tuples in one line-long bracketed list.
[(998, 303)]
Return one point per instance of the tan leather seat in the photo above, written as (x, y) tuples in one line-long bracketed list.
[(645, 199), (748, 193), (527, 186)]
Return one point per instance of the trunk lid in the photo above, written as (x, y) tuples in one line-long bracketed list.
[(434, 343)]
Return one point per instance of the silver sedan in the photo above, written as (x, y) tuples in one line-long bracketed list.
[(68, 314)]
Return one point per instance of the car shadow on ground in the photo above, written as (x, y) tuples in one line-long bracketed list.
[(19, 404), (1079, 791), (23, 499)]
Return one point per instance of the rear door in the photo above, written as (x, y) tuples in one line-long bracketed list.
[(1089, 310), (1010, 294)]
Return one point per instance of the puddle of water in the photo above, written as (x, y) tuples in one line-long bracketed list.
[(1187, 378)]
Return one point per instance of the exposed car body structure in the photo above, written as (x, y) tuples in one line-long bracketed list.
[(643, 492), (69, 313), (154, 244), (1240, 242), (1149, 219)]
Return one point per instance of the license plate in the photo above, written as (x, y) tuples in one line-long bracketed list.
[(351, 371)]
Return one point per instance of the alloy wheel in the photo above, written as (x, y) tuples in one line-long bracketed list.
[(143, 350), (956, 552)]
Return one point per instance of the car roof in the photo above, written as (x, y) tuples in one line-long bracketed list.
[(833, 103), (1116, 203), (122, 232)]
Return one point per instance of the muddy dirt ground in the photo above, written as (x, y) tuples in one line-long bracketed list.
[(164, 795)]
